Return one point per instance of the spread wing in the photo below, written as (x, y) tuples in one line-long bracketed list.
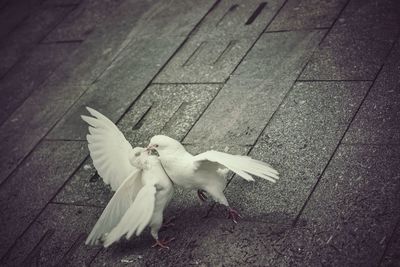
[(241, 165), (137, 217), (108, 148), (117, 207)]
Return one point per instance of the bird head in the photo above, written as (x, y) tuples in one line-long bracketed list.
[(164, 145)]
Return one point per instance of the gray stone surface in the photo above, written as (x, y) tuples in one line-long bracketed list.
[(83, 20), (103, 45), (219, 43), (347, 222), (169, 109), (298, 142), (358, 42), (56, 238), (122, 82), (28, 190), (137, 251), (133, 19), (247, 101), (61, 2), (356, 204), (12, 13), (53, 196), (392, 253), (23, 39), (306, 14), (222, 243), (378, 121), (29, 73), (20, 133)]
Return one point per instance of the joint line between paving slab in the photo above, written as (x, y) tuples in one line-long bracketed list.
[(41, 211), (67, 110), (204, 83), (76, 204), (322, 80), (57, 23), (298, 30), (77, 41), (64, 140), (334, 22), (389, 242), (34, 88), (43, 138), (201, 114), (71, 250), (272, 116), (256, 40), (344, 134), (164, 65)]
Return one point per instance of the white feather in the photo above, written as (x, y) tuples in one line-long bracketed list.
[(109, 149), (203, 172), (136, 217), (241, 165), (116, 208)]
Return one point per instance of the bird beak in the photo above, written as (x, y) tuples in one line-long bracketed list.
[(150, 148)]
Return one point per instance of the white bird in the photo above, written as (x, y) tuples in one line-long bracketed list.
[(207, 171), (143, 188)]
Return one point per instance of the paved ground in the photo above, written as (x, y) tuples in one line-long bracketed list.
[(313, 87)]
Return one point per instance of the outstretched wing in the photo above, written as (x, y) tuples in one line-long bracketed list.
[(241, 165), (108, 148), (117, 207), (137, 217)]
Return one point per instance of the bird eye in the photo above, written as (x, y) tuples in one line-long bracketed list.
[(155, 145)]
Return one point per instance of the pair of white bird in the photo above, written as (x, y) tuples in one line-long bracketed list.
[(142, 181)]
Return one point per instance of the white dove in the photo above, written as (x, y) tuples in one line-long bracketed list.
[(207, 171), (144, 189)]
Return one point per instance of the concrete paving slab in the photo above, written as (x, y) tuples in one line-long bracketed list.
[(22, 40), (28, 190), (356, 203), (256, 88), (56, 238), (167, 109), (298, 142), (122, 82), (358, 43), (12, 13), (134, 19), (29, 73), (309, 14), (20, 133), (219, 242), (97, 52), (62, 2), (392, 253), (220, 42), (347, 221), (83, 20), (378, 121)]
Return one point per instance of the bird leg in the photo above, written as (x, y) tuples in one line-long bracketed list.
[(162, 244), (233, 215), (201, 193), (168, 222)]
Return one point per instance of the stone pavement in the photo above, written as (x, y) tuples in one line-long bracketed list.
[(312, 87)]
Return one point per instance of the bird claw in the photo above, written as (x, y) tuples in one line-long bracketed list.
[(162, 244), (233, 215), (201, 193)]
